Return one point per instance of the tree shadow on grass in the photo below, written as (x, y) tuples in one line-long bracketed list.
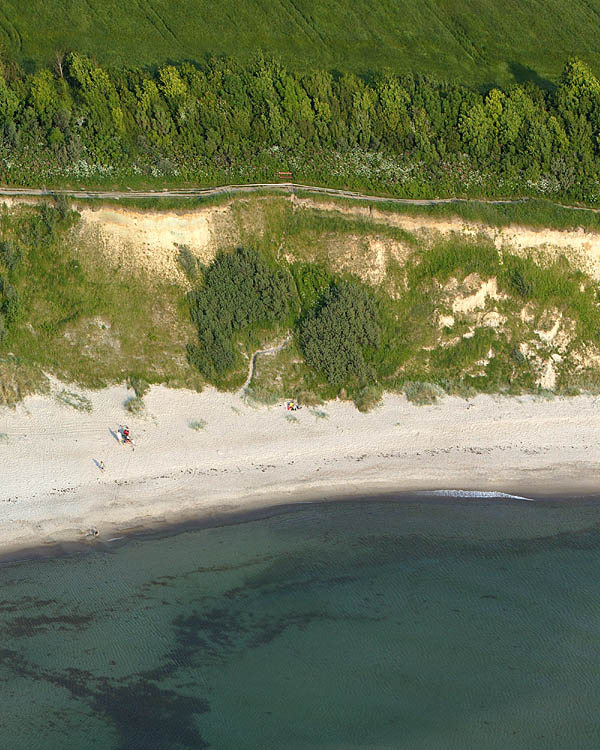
[(524, 74)]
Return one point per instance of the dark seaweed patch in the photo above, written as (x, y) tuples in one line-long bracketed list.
[(25, 602), (22, 627), (146, 716)]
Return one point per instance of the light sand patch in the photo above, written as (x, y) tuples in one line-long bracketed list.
[(547, 381), (587, 357), (148, 239), (526, 314), (548, 336), (580, 246), (493, 319), (488, 289), (413, 224), (555, 331), (361, 255)]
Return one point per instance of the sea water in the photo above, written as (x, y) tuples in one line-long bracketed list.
[(420, 623)]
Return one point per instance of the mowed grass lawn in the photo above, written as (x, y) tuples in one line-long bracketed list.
[(476, 42)]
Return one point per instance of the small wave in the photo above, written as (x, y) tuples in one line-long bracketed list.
[(475, 493)]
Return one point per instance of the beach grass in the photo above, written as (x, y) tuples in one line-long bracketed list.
[(423, 394), (135, 405), (75, 400)]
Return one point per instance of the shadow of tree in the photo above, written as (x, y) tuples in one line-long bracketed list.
[(524, 74)]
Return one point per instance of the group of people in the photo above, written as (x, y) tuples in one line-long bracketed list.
[(124, 435), (292, 405)]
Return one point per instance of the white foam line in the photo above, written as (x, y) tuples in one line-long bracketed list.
[(475, 493), (114, 539)]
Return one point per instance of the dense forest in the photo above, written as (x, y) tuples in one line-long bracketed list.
[(228, 122)]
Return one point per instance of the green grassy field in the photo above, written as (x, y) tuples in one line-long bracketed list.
[(478, 42)]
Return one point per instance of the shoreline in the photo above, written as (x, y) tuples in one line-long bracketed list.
[(148, 529), (251, 462)]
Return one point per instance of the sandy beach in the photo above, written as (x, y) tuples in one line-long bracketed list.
[(245, 457)]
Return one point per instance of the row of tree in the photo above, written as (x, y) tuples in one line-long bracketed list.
[(221, 119)]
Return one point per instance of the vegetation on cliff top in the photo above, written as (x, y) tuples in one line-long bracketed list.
[(229, 122)]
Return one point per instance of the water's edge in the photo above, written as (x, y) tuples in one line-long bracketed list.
[(217, 518)]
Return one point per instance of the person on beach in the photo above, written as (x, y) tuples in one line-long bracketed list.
[(101, 465)]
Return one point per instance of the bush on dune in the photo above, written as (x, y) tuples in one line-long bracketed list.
[(239, 292), (338, 335)]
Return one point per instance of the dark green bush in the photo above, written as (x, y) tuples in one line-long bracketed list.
[(188, 262), (9, 302), (339, 334), (10, 256), (239, 292)]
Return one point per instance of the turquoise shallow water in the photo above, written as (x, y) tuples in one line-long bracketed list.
[(430, 623)]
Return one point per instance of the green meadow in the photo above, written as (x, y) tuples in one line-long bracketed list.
[(477, 43)]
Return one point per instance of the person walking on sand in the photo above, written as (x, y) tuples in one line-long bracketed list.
[(102, 466)]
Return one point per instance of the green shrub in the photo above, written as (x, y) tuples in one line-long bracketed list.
[(518, 277), (135, 405), (240, 291), (338, 335), (423, 393), (138, 385), (197, 425), (10, 256), (62, 202), (9, 302)]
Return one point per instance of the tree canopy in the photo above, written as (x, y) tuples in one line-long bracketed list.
[(227, 121)]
